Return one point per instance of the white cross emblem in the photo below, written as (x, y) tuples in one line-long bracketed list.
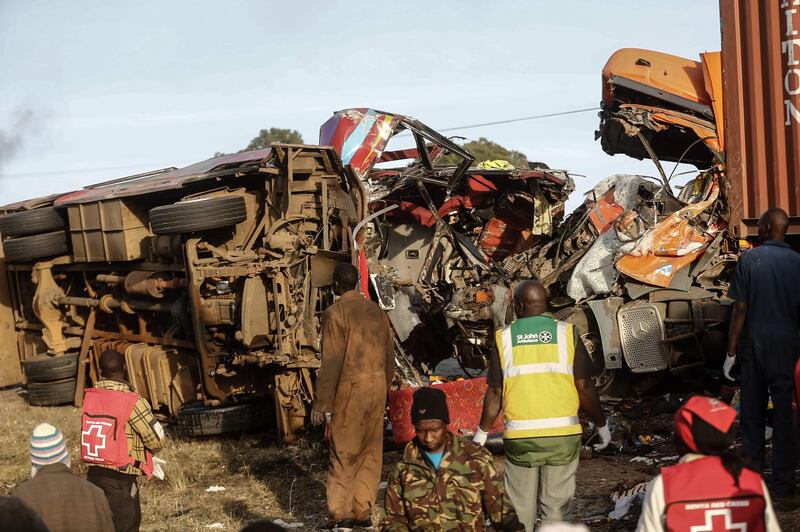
[(95, 427), (729, 524), (545, 337)]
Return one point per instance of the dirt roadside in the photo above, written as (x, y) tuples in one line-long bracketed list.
[(262, 479)]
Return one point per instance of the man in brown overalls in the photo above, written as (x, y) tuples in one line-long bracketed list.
[(357, 369)]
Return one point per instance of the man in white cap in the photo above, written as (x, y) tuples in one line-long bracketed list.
[(65, 502)]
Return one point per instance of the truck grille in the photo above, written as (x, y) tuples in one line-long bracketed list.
[(642, 331)]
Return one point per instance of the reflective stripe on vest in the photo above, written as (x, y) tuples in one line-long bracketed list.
[(539, 394), (546, 423)]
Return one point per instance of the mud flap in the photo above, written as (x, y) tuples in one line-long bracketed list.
[(10, 369)]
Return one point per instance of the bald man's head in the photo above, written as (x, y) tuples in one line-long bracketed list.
[(530, 299), (773, 224), (112, 364)]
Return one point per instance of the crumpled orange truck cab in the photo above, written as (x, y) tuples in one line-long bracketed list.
[(648, 291)]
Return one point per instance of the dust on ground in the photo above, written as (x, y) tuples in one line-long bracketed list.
[(264, 479)]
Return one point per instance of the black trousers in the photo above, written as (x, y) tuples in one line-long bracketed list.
[(122, 492), (767, 365)]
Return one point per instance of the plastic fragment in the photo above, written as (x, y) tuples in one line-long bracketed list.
[(283, 524)]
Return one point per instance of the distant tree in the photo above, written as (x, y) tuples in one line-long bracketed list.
[(266, 137), (486, 150), (274, 134)]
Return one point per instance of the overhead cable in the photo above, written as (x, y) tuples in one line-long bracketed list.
[(511, 120), (455, 128)]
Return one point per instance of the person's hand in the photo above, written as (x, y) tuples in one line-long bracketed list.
[(158, 471), (727, 366), (480, 437), (605, 438), (318, 418)]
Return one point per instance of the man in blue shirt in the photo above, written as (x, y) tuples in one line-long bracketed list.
[(765, 333)]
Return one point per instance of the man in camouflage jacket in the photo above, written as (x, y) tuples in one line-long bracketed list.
[(444, 482)]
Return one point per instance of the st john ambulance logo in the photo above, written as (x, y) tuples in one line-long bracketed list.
[(543, 337)]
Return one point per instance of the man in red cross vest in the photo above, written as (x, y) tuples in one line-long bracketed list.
[(119, 435), (710, 488)]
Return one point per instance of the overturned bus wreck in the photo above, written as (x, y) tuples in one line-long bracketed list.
[(212, 278)]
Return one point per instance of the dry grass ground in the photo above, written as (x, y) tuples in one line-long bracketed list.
[(262, 479)]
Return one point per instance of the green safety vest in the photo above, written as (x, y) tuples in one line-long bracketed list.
[(539, 394)]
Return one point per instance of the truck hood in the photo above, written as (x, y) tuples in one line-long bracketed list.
[(674, 103)]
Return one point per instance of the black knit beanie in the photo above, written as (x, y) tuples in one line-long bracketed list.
[(429, 403)]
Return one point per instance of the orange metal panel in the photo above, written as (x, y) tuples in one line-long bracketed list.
[(669, 73), (712, 73), (605, 211), (654, 269), (761, 80), (704, 130), (669, 246)]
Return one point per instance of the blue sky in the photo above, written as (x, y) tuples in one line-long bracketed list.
[(98, 90)]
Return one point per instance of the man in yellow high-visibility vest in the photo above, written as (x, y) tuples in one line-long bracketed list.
[(539, 375)]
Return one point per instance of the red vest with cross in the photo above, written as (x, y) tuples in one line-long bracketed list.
[(701, 496), (103, 439)]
